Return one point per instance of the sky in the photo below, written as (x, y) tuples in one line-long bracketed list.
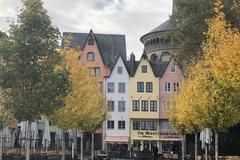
[(133, 18)]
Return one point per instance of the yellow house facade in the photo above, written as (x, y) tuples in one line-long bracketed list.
[(144, 110)]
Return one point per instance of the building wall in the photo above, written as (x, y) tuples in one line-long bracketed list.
[(144, 135), (168, 77), (98, 62), (144, 77), (116, 96)]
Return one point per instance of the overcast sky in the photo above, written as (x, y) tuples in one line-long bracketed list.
[(133, 18)]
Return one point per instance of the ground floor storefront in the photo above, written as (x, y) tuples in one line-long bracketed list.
[(116, 143), (167, 141)]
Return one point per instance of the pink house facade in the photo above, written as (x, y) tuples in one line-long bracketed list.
[(169, 85), (98, 52)]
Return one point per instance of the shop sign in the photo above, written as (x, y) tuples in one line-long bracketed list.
[(148, 134), (169, 134)]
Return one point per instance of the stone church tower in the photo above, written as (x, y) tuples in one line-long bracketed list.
[(157, 43)]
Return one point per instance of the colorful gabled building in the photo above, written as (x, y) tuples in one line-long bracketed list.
[(144, 110), (118, 103), (169, 85), (161, 51), (99, 52)]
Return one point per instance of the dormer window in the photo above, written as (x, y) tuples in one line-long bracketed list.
[(144, 69), (173, 68), (90, 40), (90, 56)]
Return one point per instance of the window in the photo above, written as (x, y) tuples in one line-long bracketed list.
[(140, 86), (136, 125), (164, 125), (90, 56), (110, 124), (149, 87), (144, 105), (153, 106), (110, 105), (144, 125), (167, 87), (95, 71), (121, 124), (175, 87), (135, 105), (121, 106), (121, 87), (153, 125), (110, 87), (119, 70), (144, 69), (166, 105), (173, 68)]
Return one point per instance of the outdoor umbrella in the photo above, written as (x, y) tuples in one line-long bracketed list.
[(46, 141)]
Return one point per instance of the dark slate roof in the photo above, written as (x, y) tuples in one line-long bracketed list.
[(159, 68), (110, 45), (166, 26), (132, 67)]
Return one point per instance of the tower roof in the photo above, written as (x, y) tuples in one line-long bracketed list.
[(166, 26)]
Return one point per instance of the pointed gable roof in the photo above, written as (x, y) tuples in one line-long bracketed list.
[(109, 45), (114, 65)]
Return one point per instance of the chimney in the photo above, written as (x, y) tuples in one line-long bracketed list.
[(132, 63)]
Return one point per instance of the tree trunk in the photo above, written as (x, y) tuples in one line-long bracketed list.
[(63, 145), (206, 151), (92, 155), (183, 147), (81, 154), (196, 146), (216, 146), (1, 144), (74, 145), (28, 140)]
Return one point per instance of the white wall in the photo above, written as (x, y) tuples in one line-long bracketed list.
[(116, 116)]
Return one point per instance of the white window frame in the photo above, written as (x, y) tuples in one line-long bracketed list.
[(168, 85), (171, 67)]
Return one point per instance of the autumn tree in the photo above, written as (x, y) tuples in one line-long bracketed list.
[(84, 106), (190, 17), (184, 109), (222, 50), (5, 118), (28, 75)]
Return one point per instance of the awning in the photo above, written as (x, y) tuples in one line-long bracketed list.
[(117, 139)]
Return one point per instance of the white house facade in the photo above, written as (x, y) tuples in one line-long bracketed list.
[(117, 101)]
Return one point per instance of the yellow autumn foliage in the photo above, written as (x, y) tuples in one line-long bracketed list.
[(222, 49), (207, 98), (84, 106)]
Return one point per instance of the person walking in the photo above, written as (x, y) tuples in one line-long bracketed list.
[(155, 152)]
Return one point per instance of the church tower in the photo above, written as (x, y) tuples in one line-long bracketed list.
[(157, 43)]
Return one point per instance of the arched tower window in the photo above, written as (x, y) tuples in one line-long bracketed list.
[(90, 56), (154, 58)]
